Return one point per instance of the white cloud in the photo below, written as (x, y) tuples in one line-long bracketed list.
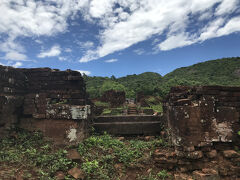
[(111, 60), (175, 41), (62, 58), (33, 18), (148, 18), (227, 6), (90, 55), (10, 63), (139, 51), (233, 25), (68, 50), (84, 72), (17, 64), (10, 44), (210, 29), (86, 45), (99, 8), (39, 41), (54, 51), (123, 22), (15, 56), (28, 18)]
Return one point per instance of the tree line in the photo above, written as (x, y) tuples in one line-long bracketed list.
[(225, 72)]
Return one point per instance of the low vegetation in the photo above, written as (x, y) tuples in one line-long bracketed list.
[(155, 103), (105, 157), (102, 104), (32, 155), (102, 157)]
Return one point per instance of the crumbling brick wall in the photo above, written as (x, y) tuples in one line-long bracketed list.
[(199, 116), (52, 101), (203, 124), (12, 89), (47, 87), (114, 98)]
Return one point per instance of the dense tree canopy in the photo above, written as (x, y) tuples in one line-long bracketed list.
[(224, 72), (111, 85)]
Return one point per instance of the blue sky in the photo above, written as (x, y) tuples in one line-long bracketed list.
[(117, 37)]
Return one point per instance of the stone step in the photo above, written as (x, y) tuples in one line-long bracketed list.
[(132, 111), (128, 118), (129, 128)]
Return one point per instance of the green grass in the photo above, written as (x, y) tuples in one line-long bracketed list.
[(157, 108), (100, 103), (100, 154), (151, 100), (163, 174), (106, 112), (33, 153), (154, 103), (113, 111)]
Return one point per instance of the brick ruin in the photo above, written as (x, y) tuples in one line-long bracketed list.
[(45, 99), (201, 116), (203, 123), (114, 98)]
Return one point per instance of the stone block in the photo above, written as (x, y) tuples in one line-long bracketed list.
[(206, 174), (230, 154), (73, 154), (60, 175), (39, 116), (76, 173), (194, 155), (212, 154)]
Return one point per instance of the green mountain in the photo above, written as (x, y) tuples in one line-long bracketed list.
[(224, 72), (147, 82)]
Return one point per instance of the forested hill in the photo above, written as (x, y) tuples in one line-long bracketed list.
[(147, 82), (224, 72), (215, 72)]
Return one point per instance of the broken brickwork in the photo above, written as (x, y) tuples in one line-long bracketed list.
[(201, 116), (203, 123), (52, 101), (114, 98), (12, 89)]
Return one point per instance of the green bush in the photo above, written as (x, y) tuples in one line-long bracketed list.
[(35, 152), (102, 152), (102, 104)]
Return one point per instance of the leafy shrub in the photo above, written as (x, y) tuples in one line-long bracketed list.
[(34, 151), (100, 103)]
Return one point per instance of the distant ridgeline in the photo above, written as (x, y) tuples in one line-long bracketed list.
[(225, 72)]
